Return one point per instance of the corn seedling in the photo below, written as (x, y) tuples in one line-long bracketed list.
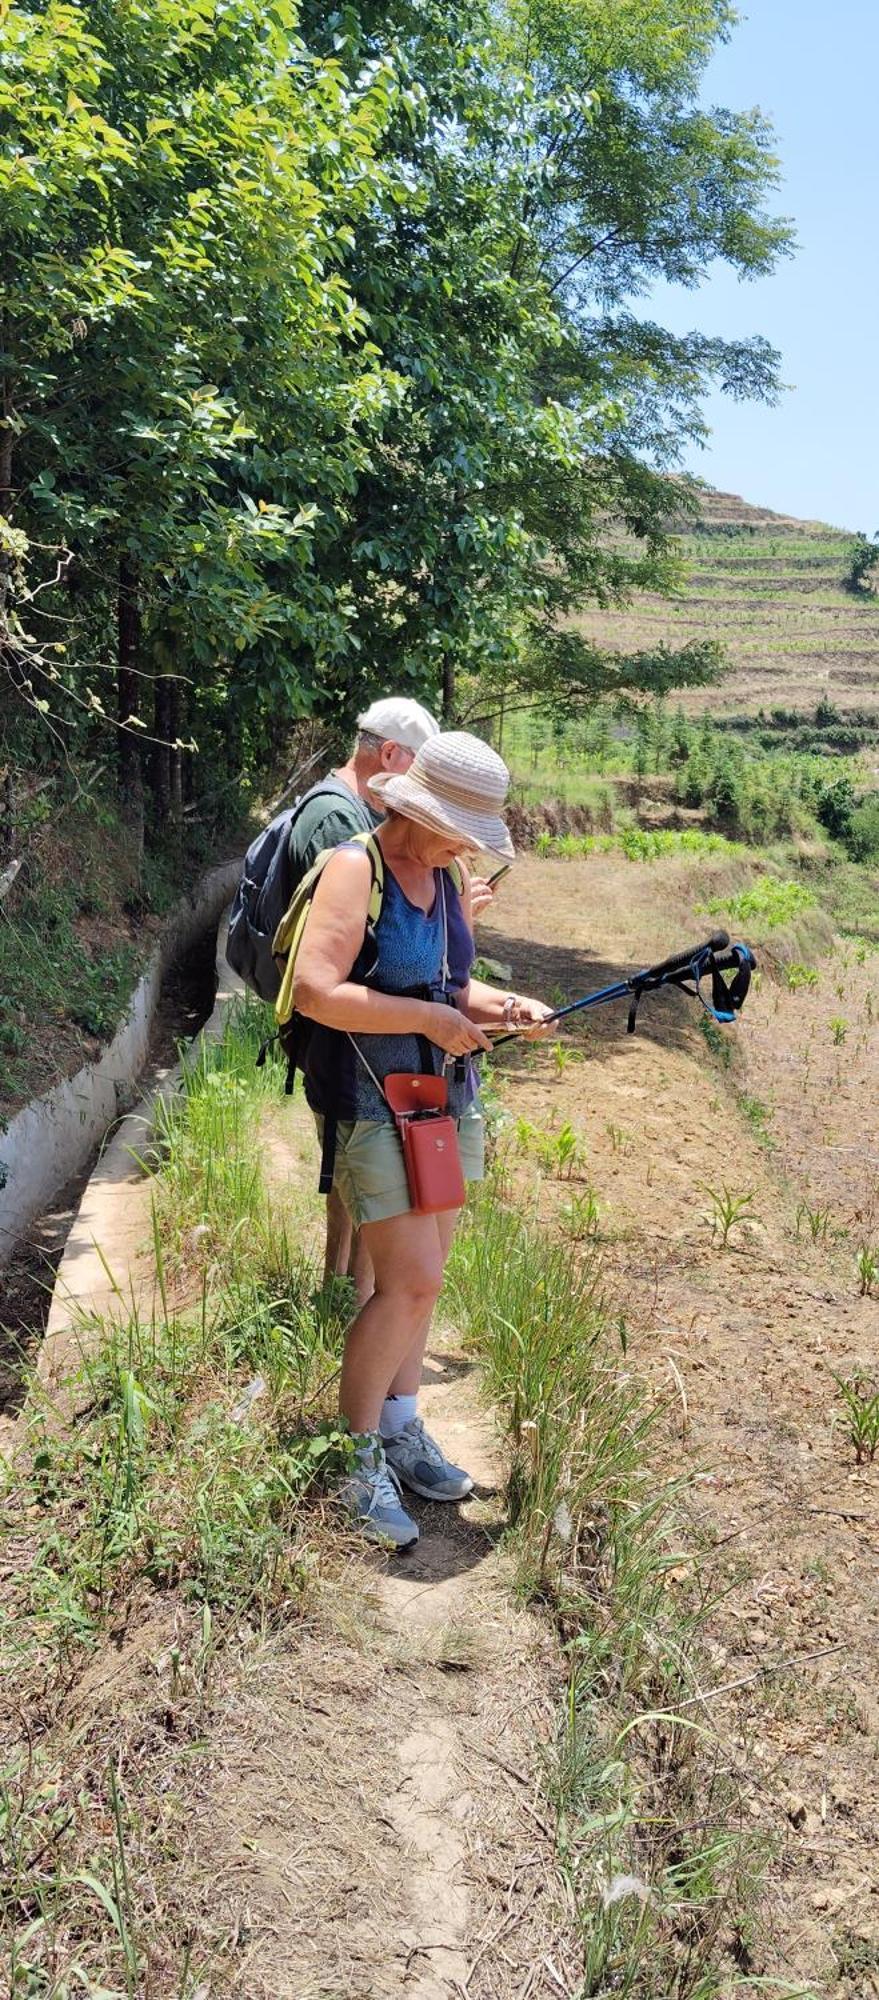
[(838, 1030), (620, 1141), (582, 1215), (728, 1211), (868, 1270), (860, 1400), (562, 1054), (562, 1152), (816, 1220)]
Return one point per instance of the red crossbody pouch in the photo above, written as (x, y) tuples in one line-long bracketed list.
[(429, 1138)]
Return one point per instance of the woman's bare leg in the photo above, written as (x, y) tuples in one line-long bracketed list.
[(360, 1269), (407, 1259), (407, 1380)]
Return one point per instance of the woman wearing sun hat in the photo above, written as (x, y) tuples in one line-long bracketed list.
[(420, 1009)]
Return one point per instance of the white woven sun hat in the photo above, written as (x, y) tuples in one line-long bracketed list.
[(455, 785)]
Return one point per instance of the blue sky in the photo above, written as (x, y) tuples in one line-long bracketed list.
[(814, 71)]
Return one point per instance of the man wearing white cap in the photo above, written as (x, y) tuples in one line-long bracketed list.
[(389, 733)]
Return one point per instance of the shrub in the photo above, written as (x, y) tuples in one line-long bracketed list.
[(865, 557), (835, 805), (862, 837)]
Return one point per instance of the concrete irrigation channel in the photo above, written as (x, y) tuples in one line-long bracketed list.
[(75, 1200)]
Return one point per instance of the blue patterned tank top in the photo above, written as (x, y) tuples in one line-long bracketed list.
[(411, 944)]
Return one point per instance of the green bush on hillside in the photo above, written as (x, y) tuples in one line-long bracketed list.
[(862, 837)]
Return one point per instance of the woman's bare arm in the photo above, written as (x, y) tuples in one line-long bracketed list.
[(322, 986)]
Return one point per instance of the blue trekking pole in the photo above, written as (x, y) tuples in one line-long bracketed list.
[(686, 969)]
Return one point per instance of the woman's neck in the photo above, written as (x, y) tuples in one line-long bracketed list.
[(396, 840), (416, 877)]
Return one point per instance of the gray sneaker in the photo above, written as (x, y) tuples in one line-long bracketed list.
[(415, 1457), (372, 1495)]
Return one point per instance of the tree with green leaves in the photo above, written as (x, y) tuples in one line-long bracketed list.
[(186, 374), (321, 371)]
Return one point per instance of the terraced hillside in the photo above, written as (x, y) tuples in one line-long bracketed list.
[(771, 589)]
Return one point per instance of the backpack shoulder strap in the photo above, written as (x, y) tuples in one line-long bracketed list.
[(377, 864), (288, 936)]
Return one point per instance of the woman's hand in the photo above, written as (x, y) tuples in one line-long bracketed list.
[(451, 1030), (530, 1017), (481, 894)]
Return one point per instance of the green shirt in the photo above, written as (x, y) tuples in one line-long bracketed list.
[(334, 814)]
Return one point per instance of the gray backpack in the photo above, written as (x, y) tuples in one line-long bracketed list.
[(265, 891)]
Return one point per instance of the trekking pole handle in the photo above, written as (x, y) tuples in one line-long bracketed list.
[(681, 960)]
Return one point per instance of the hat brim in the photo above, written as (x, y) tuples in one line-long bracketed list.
[(475, 832)]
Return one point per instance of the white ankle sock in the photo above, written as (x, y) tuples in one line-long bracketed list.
[(397, 1412)]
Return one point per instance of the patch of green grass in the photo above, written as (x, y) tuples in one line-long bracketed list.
[(758, 1115), (768, 903), (47, 974), (640, 844), (716, 1040)]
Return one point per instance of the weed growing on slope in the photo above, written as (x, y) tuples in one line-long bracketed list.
[(582, 1216), (716, 1040), (758, 1115)]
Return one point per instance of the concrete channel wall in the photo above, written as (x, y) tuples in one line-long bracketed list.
[(52, 1138)]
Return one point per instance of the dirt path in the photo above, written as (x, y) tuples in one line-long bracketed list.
[(742, 1346), (348, 1805), (369, 1824)]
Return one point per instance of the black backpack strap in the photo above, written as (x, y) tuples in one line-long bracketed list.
[(328, 1152)]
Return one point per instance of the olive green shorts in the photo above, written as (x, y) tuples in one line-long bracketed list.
[(369, 1174)]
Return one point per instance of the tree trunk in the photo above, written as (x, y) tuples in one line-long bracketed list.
[(130, 764), (176, 720), (160, 771), (7, 438), (448, 691)]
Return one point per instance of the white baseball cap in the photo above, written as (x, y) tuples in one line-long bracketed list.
[(398, 720)]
